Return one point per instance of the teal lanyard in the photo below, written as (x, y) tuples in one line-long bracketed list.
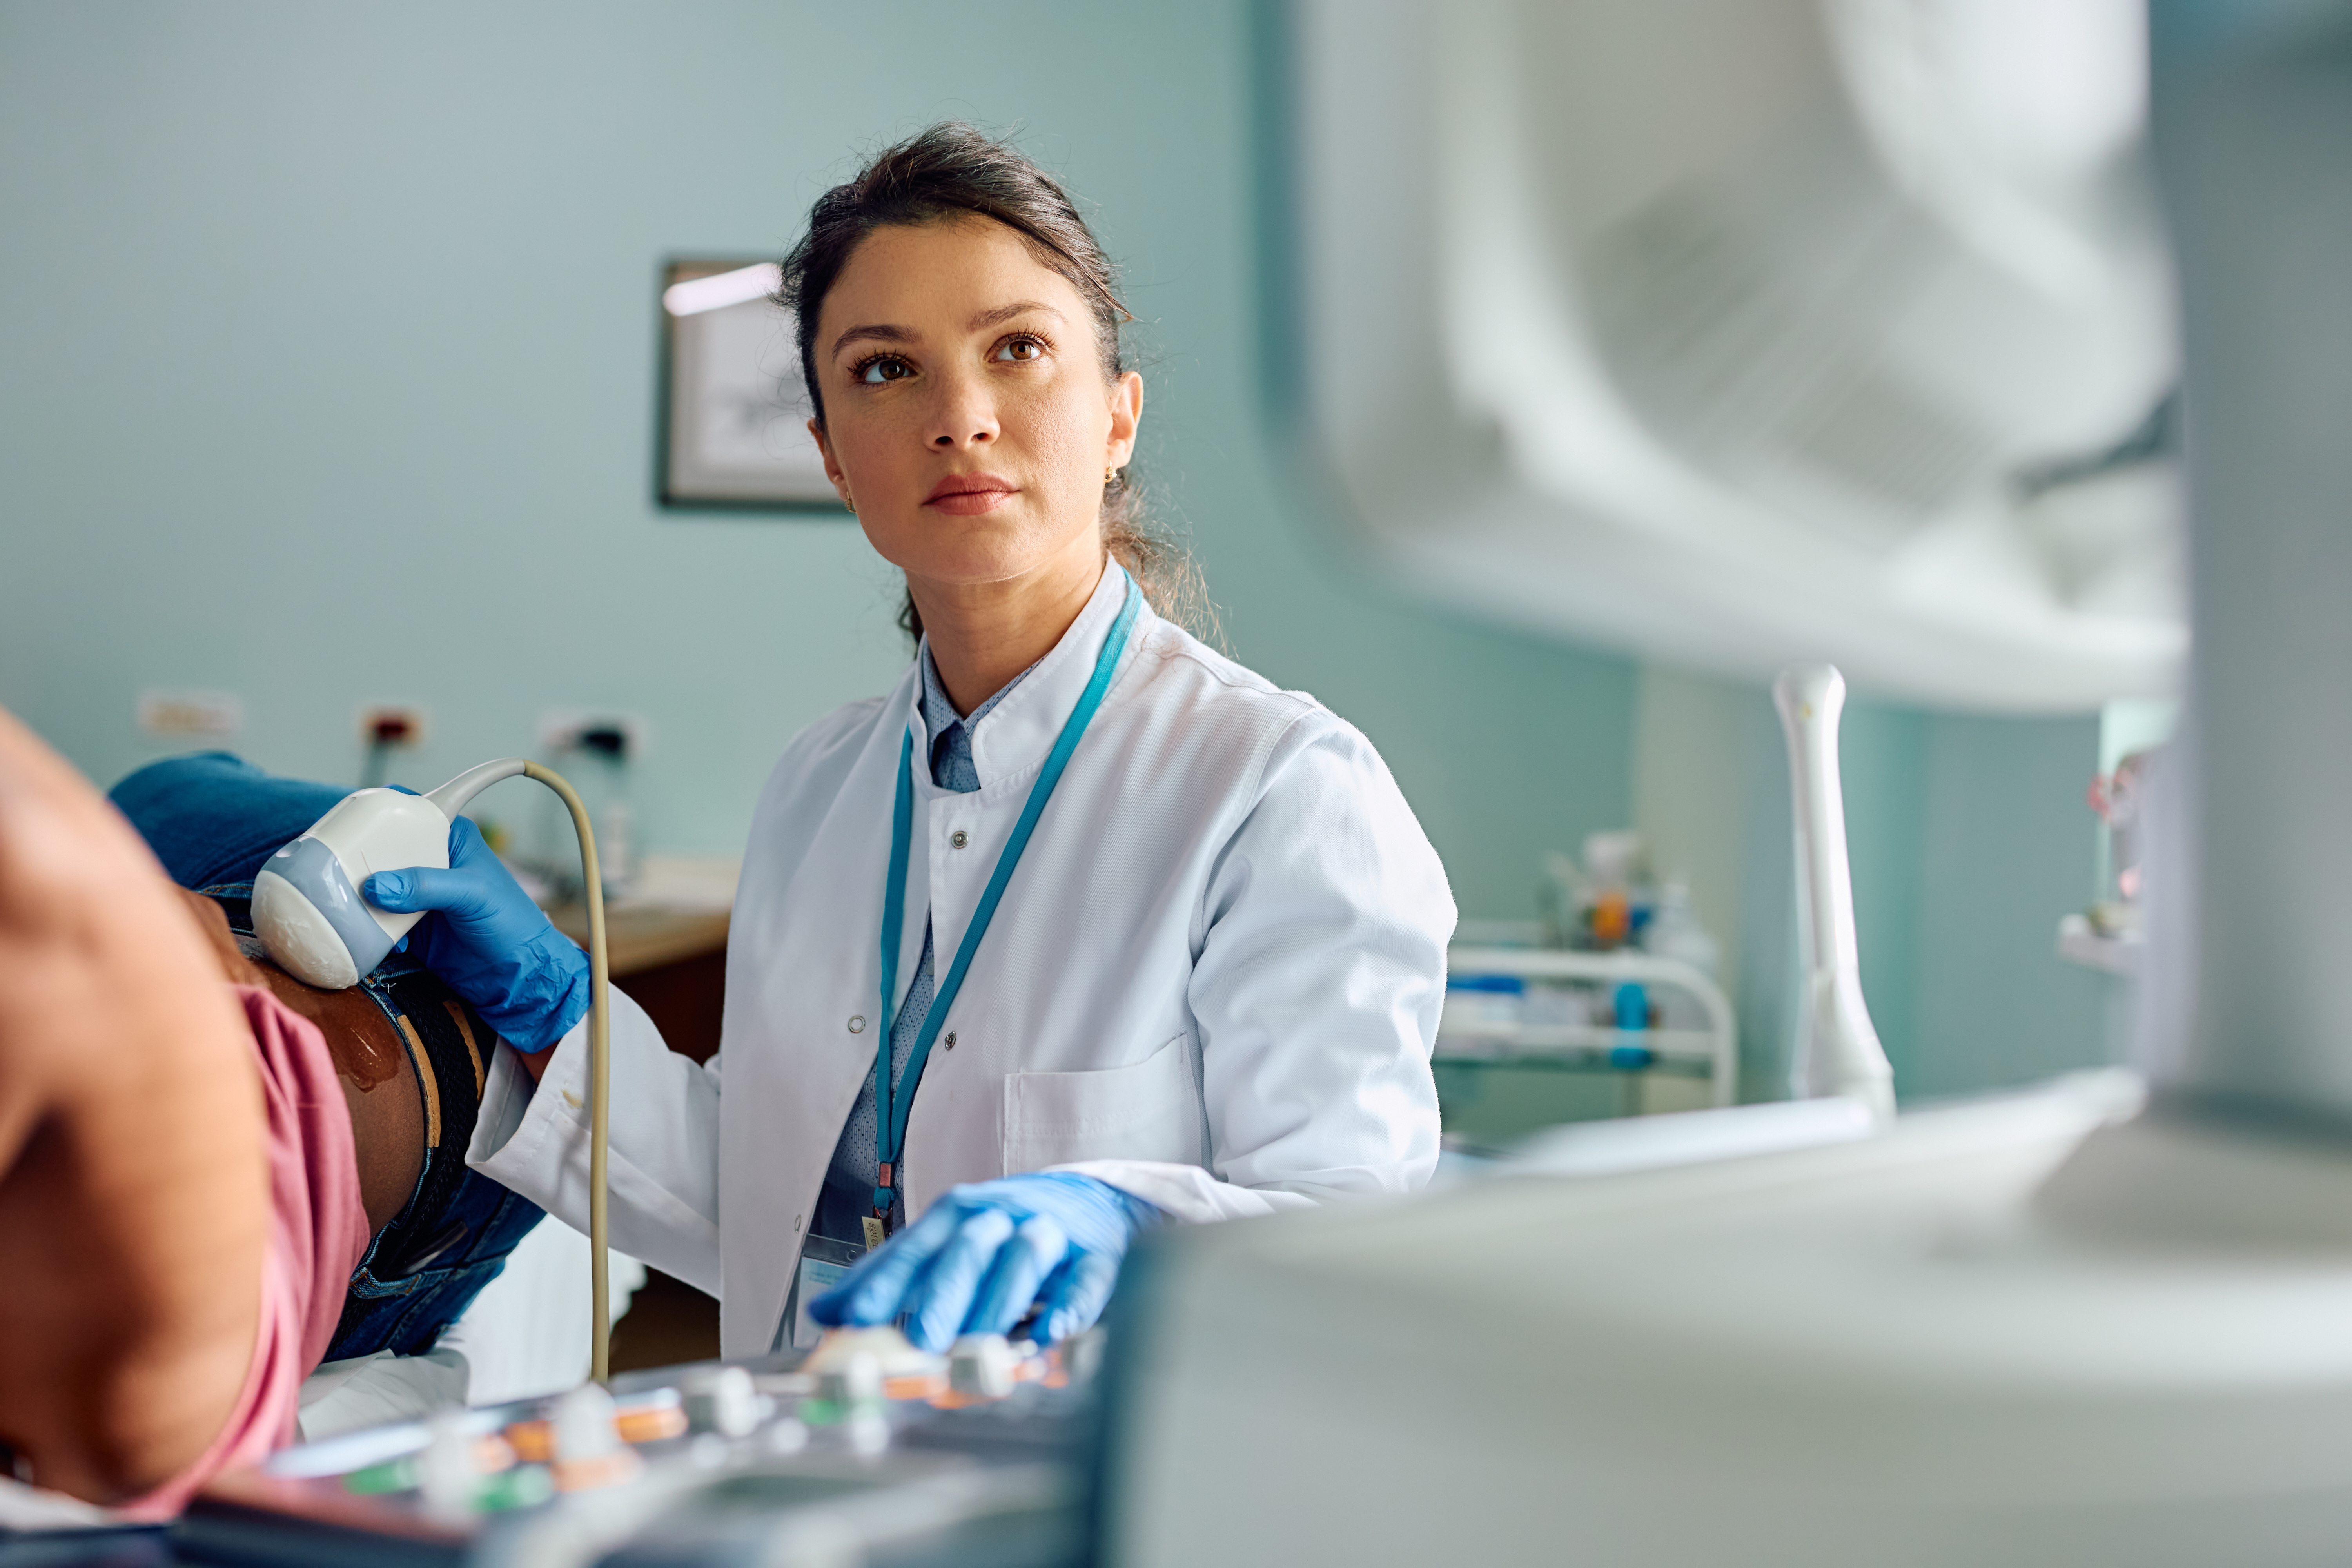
[(892, 1104)]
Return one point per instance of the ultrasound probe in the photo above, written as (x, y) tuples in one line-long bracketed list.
[(308, 912)]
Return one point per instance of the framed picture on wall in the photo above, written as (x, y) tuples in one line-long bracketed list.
[(733, 424)]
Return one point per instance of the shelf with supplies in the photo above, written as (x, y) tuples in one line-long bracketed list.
[(1517, 1006)]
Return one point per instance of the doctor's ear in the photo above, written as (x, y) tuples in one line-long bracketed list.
[(832, 467), (1126, 415)]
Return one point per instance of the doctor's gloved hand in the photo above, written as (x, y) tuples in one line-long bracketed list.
[(494, 946), (986, 1253)]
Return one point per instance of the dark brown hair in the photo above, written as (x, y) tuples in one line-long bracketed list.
[(948, 171)]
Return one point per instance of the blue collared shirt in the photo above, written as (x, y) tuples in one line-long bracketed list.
[(848, 1195)]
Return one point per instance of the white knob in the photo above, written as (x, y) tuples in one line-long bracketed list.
[(583, 1425), (982, 1365)]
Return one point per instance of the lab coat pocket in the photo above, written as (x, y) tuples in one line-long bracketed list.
[(1150, 1110)]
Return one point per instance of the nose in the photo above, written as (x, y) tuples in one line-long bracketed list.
[(965, 418)]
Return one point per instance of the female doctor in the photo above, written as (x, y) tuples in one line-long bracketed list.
[(1155, 940)]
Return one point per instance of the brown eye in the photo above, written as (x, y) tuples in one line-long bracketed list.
[(1020, 349), (884, 368)]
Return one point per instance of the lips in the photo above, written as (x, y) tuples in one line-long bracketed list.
[(969, 495)]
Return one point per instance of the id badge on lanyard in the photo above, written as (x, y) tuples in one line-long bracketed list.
[(824, 1264), (892, 1102)]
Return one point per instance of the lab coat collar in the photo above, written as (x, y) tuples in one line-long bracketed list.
[(1016, 735)]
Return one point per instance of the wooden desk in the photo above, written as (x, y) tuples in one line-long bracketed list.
[(639, 939), (672, 962)]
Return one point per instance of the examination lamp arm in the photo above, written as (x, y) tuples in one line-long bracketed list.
[(1838, 1051)]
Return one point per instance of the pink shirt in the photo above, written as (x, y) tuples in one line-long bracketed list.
[(318, 1234)]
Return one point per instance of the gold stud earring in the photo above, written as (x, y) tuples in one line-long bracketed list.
[(1111, 476), (850, 502)]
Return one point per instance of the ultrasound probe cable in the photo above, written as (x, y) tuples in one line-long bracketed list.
[(599, 1074)]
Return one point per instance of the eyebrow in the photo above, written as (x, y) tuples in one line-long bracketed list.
[(1003, 313), (883, 332), (880, 330)]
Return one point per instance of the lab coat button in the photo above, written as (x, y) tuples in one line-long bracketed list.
[(958, 838), (951, 1040), (858, 1023)]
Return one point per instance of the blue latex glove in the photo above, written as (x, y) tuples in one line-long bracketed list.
[(494, 946), (986, 1253)]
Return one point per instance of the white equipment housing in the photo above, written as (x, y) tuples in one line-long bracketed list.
[(2055, 1329), (1748, 332), (1865, 1353)]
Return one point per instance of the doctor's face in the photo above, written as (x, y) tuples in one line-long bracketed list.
[(968, 417)]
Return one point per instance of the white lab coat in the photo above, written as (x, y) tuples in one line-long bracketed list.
[(1213, 981)]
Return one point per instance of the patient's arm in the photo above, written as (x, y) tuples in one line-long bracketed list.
[(133, 1192)]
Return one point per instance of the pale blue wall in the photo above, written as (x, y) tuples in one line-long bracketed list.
[(328, 379), (1969, 839), (2008, 845)]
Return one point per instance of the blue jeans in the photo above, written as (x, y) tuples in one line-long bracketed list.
[(212, 820)]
